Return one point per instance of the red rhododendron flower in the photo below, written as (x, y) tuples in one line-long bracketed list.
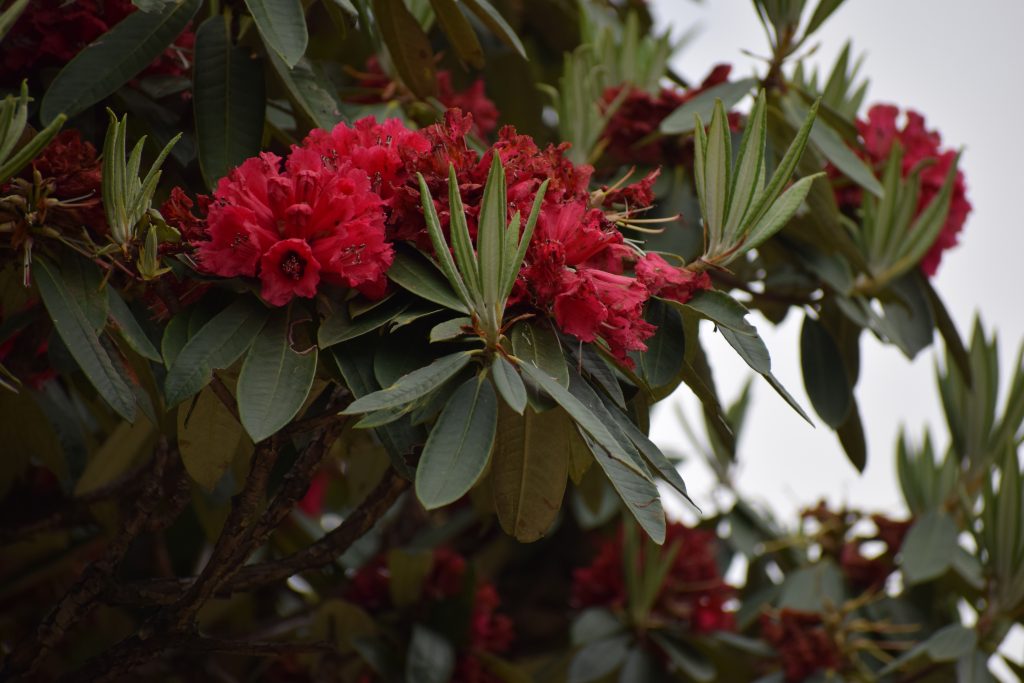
[(314, 220), (639, 116), (663, 280), (376, 87), (880, 130), (287, 270), (692, 592), (803, 643)]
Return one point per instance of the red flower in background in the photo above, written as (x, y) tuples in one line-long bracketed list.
[(693, 591), (802, 642), (879, 131), (639, 116), (50, 33), (488, 631), (376, 87)]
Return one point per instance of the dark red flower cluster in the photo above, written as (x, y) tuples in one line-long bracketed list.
[(693, 592), (639, 115), (838, 540), (66, 196), (575, 269), (51, 32), (25, 352), (376, 87), (866, 573), (331, 210), (803, 643), (879, 131), (317, 216), (488, 631)]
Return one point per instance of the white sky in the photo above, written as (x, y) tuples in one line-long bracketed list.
[(960, 64)]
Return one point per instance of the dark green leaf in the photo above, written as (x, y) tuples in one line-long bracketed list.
[(851, 436), (814, 588), (665, 350), (310, 92), (459, 446), (129, 327), (948, 644), (218, 344), (682, 119), (598, 659), (115, 58), (594, 623), (638, 492), (407, 45), (274, 380), (282, 25), (947, 328), (908, 318), (723, 310), (461, 35), (431, 658), (928, 550), (825, 378), (751, 349), (412, 386), (833, 148), (493, 20), (537, 343), (228, 96), (79, 335), (339, 326), (411, 271), (509, 384), (689, 661)]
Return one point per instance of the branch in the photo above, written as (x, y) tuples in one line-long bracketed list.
[(153, 640), (252, 577), (81, 598)]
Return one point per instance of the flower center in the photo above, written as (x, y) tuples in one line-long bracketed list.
[(293, 266)]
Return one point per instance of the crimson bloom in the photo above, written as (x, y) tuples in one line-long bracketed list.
[(880, 130), (804, 644), (693, 592), (294, 227)]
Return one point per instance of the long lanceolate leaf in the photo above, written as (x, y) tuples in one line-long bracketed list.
[(412, 386), (740, 206), (444, 257), (282, 25), (459, 446), (115, 58), (216, 345), (126, 196), (13, 118), (229, 101), (81, 339), (631, 479)]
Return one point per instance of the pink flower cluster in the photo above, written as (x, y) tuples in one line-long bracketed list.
[(880, 130)]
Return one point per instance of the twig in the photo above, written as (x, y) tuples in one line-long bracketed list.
[(81, 597), (254, 576)]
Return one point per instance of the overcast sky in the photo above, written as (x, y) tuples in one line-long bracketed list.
[(960, 64)]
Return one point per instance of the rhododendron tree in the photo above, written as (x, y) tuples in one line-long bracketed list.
[(330, 335)]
